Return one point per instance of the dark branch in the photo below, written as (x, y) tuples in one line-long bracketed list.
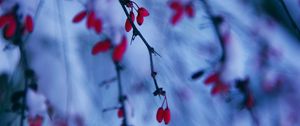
[(159, 91), (216, 21), (122, 97), (290, 16)]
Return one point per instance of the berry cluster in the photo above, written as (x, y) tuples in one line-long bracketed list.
[(163, 114), (141, 13), (219, 85), (179, 9), (12, 25), (105, 45), (91, 22)]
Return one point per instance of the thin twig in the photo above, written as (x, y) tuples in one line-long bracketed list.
[(25, 63), (216, 26), (122, 97), (66, 61), (106, 82), (295, 26), (159, 91)]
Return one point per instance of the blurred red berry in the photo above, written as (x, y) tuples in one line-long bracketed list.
[(176, 5), (212, 78), (10, 29), (91, 20), (120, 113), (190, 10), (179, 10), (101, 46), (249, 101), (29, 23), (219, 88), (37, 121), (120, 50), (79, 17), (98, 26), (3, 20)]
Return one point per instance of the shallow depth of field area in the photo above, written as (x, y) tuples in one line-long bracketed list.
[(149, 62)]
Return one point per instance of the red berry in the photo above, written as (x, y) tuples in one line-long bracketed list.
[(79, 17), (132, 16), (167, 116), (219, 88), (10, 29), (212, 78), (37, 121), (190, 10), (120, 113), (140, 19), (160, 114), (101, 46), (91, 20), (178, 10), (29, 23), (250, 101), (177, 17), (128, 25), (143, 12), (175, 5), (120, 50), (4, 20), (98, 26)]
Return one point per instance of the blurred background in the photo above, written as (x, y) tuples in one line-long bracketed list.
[(260, 72)]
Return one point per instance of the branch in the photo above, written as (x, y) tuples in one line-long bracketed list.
[(122, 97), (159, 91), (216, 22), (290, 16), (20, 42)]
